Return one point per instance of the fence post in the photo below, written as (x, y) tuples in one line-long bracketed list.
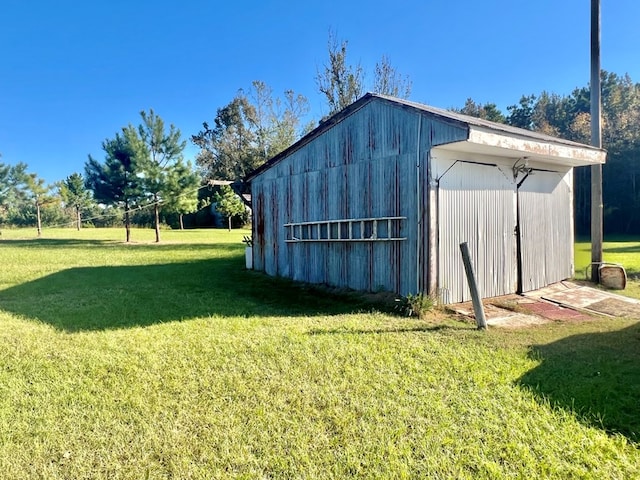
[(478, 308)]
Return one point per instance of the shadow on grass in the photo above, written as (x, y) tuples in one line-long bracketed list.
[(46, 243), (629, 249), (52, 242), (595, 375), (111, 297), (357, 331)]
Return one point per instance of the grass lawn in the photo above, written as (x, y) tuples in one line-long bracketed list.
[(172, 361), (625, 252)]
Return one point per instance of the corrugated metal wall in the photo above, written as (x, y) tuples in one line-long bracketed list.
[(374, 163), (365, 166), (546, 229), (476, 204)]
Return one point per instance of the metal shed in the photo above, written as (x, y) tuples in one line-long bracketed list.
[(380, 196)]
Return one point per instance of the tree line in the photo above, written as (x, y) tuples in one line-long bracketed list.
[(142, 180)]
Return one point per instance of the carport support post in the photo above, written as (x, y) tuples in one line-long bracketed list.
[(478, 309)]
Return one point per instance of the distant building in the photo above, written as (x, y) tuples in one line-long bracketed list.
[(381, 195)]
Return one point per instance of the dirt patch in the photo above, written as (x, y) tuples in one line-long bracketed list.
[(616, 308), (517, 320)]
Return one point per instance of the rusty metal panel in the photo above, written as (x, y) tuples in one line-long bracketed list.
[(476, 205), (357, 195), (284, 212), (408, 186), (333, 209), (262, 227), (313, 191), (298, 203), (271, 259), (546, 229), (434, 133), (380, 254), (258, 226)]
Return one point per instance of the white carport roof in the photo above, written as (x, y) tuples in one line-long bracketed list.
[(487, 142)]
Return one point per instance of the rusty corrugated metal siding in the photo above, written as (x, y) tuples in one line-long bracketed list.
[(366, 166), (376, 161)]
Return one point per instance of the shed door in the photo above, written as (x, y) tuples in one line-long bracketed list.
[(546, 230), (477, 205)]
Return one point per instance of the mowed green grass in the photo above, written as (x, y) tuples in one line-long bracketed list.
[(172, 361)]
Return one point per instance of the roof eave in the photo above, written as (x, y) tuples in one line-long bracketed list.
[(560, 152)]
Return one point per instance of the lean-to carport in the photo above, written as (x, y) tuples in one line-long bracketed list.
[(510, 199)]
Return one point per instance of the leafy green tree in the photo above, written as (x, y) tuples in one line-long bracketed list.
[(181, 191), (116, 182), (340, 83), (521, 115), (248, 131), (75, 194), (23, 196), (160, 163), (228, 150), (387, 80), (228, 203), (277, 120)]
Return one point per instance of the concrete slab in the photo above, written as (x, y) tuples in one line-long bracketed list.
[(551, 289), (580, 297), (498, 316), (563, 301), (596, 301)]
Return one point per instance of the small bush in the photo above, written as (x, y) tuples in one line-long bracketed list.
[(415, 305)]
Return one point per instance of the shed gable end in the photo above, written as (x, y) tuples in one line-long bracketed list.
[(362, 173)]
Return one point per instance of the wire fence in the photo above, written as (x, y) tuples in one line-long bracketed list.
[(137, 208)]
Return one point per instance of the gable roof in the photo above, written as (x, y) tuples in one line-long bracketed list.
[(483, 135)]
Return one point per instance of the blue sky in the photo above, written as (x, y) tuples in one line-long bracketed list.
[(73, 73)]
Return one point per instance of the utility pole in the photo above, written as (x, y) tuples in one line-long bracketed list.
[(596, 141)]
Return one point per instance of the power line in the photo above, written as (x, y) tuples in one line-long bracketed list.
[(131, 210)]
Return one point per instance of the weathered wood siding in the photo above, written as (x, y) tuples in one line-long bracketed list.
[(371, 164)]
